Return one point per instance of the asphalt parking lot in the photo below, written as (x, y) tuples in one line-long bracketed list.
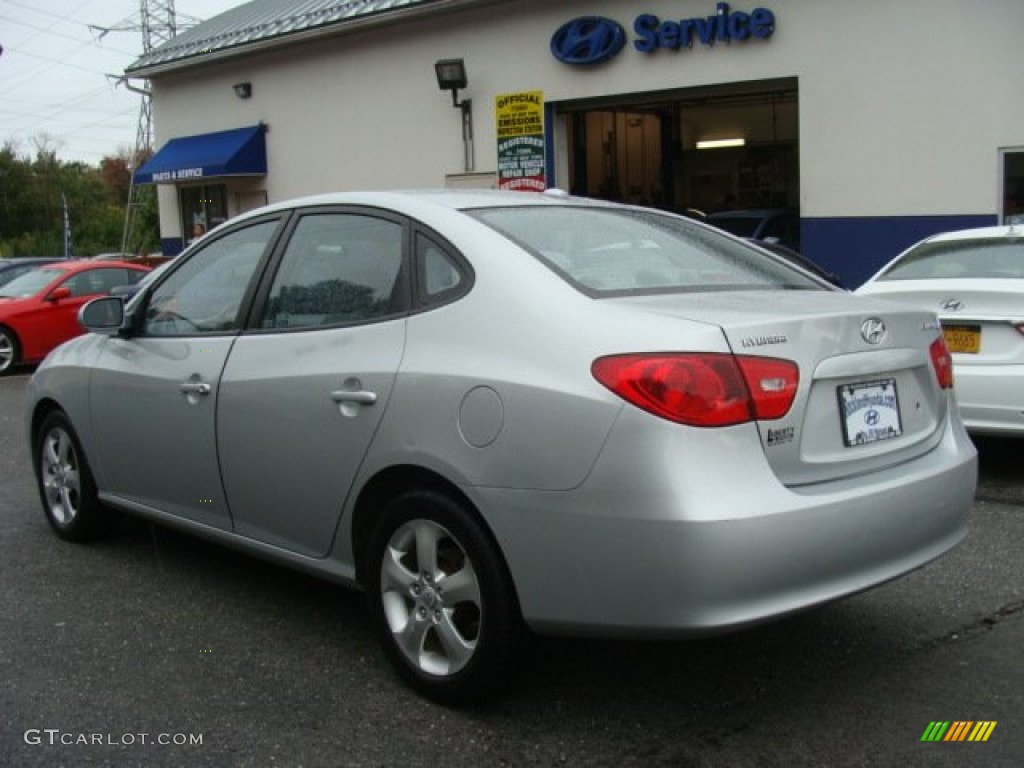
[(154, 649)]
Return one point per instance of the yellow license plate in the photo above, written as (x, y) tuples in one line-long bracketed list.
[(963, 338)]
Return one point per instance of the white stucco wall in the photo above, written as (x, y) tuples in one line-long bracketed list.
[(903, 105)]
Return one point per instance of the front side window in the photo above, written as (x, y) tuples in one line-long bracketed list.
[(205, 294), (101, 281), (606, 251), (338, 268)]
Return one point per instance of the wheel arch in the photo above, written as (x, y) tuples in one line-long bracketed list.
[(392, 482), (42, 409)]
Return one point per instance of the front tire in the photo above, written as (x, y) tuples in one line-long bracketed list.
[(10, 353), (66, 484), (441, 600)]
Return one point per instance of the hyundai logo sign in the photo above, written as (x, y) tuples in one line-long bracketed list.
[(587, 40), (593, 39)]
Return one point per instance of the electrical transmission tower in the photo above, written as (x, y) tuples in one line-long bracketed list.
[(158, 24)]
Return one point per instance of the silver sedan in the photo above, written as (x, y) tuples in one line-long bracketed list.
[(501, 412), (974, 280)]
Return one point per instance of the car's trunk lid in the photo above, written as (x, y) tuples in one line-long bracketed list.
[(868, 395), (980, 317)]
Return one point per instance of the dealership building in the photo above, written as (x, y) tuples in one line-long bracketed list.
[(878, 122)]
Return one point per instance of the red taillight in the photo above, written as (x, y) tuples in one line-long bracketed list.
[(942, 362), (702, 389)]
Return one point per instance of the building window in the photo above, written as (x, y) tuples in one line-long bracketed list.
[(1012, 185), (202, 209)]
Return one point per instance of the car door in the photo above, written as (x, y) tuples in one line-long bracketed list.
[(154, 393), (303, 393)]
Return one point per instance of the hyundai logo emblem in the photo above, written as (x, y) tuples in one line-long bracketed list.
[(587, 40), (952, 305), (872, 330)]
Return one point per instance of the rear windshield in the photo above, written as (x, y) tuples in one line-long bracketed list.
[(963, 259), (608, 251)]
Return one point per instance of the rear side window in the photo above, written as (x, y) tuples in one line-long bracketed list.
[(966, 259), (605, 251), (440, 277), (338, 268)]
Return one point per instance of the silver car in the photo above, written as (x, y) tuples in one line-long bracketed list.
[(974, 280), (499, 412)]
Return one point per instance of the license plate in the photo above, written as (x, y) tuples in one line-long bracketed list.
[(963, 338), (870, 411)]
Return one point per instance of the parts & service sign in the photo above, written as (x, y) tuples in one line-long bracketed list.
[(520, 123)]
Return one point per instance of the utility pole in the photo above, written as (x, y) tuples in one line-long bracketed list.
[(68, 250), (158, 24)]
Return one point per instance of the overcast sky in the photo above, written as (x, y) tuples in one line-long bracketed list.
[(53, 72)]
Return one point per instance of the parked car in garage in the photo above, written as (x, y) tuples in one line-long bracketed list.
[(773, 225), (39, 309), (974, 280), (799, 259), (501, 410), (13, 267)]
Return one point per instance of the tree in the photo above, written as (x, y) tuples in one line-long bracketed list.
[(32, 196)]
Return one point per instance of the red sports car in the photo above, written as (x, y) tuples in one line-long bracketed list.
[(39, 309)]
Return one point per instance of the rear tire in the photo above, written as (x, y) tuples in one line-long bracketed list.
[(66, 485), (441, 599)]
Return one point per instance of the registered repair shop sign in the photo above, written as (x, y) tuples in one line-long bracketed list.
[(520, 129)]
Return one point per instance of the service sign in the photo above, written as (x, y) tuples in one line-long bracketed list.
[(589, 40), (520, 121)]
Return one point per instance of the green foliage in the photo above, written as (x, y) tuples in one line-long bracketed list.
[(32, 197)]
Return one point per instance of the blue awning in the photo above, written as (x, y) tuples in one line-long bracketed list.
[(238, 152)]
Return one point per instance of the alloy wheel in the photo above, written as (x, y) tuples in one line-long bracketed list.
[(60, 476), (431, 598)]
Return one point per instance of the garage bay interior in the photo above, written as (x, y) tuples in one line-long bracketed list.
[(652, 148)]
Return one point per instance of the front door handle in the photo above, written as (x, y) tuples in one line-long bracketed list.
[(360, 397), (195, 388)]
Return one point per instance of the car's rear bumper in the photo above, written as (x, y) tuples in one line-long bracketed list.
[(641, 550)]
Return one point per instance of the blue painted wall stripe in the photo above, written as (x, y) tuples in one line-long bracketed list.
[(171, 246), (857, 247)]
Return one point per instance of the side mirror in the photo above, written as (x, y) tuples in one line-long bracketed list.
[(59, 293), (104, 315)]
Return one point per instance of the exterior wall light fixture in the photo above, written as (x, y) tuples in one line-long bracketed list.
[(451, 76), (243, 90)]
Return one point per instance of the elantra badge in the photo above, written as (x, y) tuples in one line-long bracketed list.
[(873, 330)]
